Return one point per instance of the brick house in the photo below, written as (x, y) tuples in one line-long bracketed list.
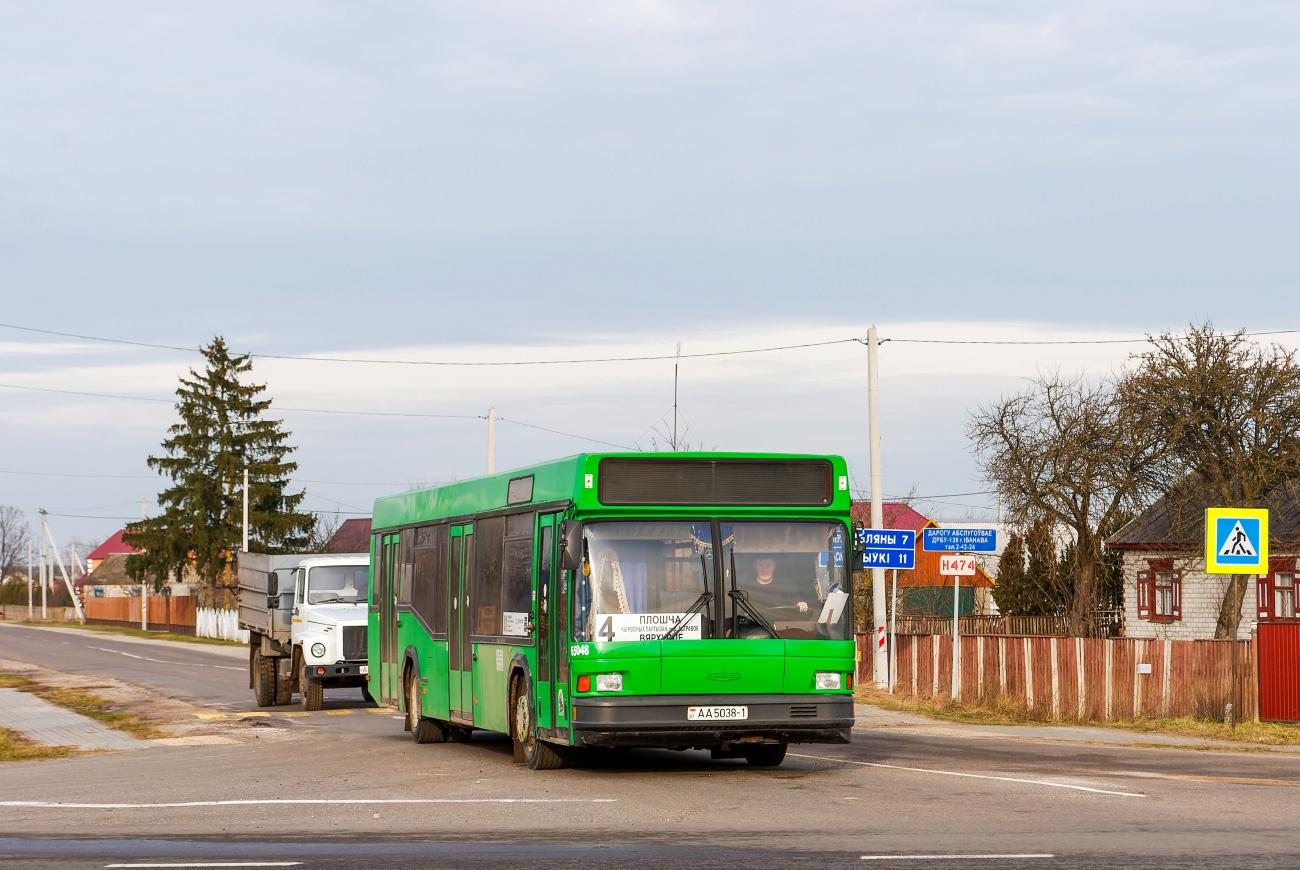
[(1167, 592)]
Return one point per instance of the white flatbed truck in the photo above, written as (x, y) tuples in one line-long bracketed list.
[(306, 618)]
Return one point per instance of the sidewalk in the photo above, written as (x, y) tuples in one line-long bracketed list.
[(234, 652), (51, 725), (873, 719)]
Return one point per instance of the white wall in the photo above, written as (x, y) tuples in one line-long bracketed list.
[(1201, 595)]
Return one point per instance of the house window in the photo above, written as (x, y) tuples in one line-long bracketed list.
[(1284, 596), (1276, 591), (1160, 592), (1164, 597)]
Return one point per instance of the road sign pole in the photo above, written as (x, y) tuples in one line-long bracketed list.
[(956, 636), (893, 636), (880, 662)]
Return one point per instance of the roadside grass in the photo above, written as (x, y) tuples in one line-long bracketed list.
[(87, 704), (947, 710), (14, 747), (137, 632)]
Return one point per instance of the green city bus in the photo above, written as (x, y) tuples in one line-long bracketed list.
[(684, 600)]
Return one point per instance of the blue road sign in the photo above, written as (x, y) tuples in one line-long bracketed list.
[(886, 548), (960, 540)]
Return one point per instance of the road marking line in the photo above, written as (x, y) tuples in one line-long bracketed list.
[(225, 668), (128, 655), (951, 857), (338, 712), (213, 864), (293, 715), (380, 711), (315, 801), (210, 715), (252, 715), (1045, 782)]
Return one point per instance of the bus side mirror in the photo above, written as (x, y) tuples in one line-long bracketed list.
[(272, 583), (571, 545)]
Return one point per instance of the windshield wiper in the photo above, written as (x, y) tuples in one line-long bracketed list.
[(742, 598), (337, 600), (705, 598)]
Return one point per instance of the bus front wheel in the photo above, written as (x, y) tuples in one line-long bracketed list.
[(538, 754)]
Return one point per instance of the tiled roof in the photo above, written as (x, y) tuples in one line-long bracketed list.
[(111, 546), (351, 537), (895, 514)]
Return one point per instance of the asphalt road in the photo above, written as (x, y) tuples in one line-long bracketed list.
[(347, 791)]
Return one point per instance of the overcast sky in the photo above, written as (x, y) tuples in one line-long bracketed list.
[(536, 180)]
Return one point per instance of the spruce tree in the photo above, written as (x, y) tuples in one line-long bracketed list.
[(222, 431)]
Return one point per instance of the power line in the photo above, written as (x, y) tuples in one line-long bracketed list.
[(98, 476), (462, 363), (567, 434), (1142, 340)]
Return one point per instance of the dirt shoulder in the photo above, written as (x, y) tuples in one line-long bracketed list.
[(907, 711), (122, 631)]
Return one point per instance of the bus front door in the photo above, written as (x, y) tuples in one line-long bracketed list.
[(390, 554), (460, 654)]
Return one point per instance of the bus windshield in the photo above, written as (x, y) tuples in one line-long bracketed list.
[(785, 580), (337, 584), (647, 579)]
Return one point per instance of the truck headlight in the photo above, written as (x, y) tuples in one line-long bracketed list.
[(829, 681), (318, 651), (609, 682)]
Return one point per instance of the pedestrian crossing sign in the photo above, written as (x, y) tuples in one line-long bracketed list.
[(1236, 541)]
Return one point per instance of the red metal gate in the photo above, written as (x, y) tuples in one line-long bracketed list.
[(1279, 672)]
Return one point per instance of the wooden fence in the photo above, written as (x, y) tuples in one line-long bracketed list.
[(1082, 679), (972, 625), (174, 613)]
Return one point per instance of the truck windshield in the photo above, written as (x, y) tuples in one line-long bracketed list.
[(788, 580), (335, 584), (646, 578)]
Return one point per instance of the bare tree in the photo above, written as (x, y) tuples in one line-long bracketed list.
[(1228, 412), (14, 535), (1067, 452)]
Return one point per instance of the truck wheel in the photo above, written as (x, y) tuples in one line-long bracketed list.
[(538, 754), (422, 729), (764, 754), (313, 694), (283, 685), (264, 682)]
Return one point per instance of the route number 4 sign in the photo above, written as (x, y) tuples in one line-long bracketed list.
[(961, 566)]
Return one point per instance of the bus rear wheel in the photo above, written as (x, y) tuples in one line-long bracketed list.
[(538, 754), (764, 754)]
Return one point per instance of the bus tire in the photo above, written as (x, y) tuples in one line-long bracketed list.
[(264, 682), (313, 694), (764, 754), (422, 730), (538, 754)]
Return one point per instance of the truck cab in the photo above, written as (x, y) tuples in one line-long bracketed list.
[(328, 627)]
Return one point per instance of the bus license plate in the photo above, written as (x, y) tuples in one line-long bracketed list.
[(712, 714)]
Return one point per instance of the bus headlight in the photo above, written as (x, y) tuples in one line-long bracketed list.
[(609, 682), (318, 651), (829, 681)]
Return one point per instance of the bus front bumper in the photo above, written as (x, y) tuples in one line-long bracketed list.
[(662, 720)]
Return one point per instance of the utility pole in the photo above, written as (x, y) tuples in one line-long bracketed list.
[(676, 364), (880, 660), (245, 548), (57, 559), (29, 579), (44, 604), (492, 441)]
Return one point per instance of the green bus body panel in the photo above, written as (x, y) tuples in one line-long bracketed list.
[(679, 667)]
